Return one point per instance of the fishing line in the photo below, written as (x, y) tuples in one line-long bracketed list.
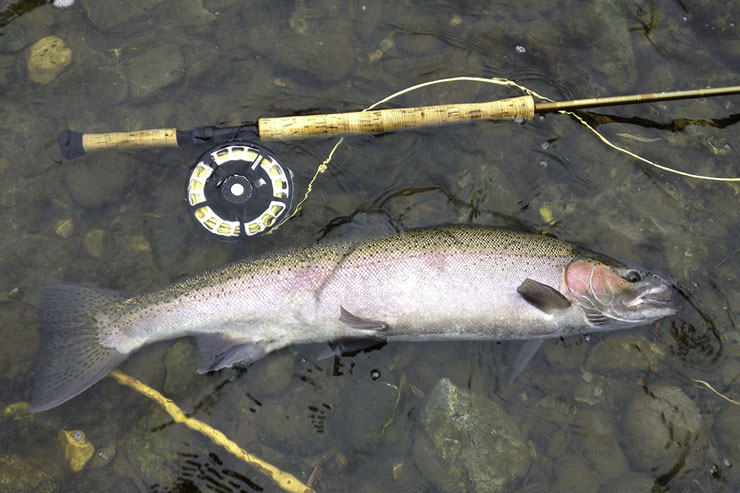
[(502, 82)]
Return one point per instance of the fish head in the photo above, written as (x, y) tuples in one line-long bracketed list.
[(615, 295)]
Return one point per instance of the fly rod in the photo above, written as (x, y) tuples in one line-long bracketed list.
[(74, 144), (239, 189)]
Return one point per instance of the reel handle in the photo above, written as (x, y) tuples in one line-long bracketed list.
[(376, 121), (74, 144)]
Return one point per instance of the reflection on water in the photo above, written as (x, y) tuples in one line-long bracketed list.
[(585, 409)]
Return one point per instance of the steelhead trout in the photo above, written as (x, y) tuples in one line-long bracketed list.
[(434, 284)]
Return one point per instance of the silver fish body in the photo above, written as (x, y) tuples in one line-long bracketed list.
[(433, 284)]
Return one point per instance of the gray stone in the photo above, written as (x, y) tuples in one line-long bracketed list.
[(192, 14), (467, 442), (632, 482), (574, 474), (17, 475), (568, 354), (7, 66), (180, 362), (14, 37), (368, 411), (599, 444), (108, 85), (419, 36), (730, 372), (103, 455), (151, 448), (300, 422), (19, 346), (664, 433), (327, 55), (154, 69), (93, 182), (727, 433), (625, 351), (106, 14), (270, 376)]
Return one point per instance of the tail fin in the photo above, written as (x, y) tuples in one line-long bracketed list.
[(70, 357)]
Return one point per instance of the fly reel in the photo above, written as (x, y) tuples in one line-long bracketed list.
[(238, 190)]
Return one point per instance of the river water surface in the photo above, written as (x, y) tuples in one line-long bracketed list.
[(615, 412)]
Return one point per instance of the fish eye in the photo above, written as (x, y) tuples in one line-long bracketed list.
[(632, 276)]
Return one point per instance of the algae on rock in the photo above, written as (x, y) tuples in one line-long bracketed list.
[(467, 442)]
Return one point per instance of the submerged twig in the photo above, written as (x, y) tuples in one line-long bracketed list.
[(716, 392), (284, 480)]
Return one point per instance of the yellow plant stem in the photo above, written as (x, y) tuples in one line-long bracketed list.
[(284, 480), (706, 384)]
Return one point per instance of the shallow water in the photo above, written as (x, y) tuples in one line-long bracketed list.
[(117, 219)]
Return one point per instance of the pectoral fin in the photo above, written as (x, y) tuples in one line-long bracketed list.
[(219, 351), (542, 296), (356, 322), (525, 354)]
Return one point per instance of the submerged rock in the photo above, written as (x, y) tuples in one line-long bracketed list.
[(325, 53), (467, 442), (77, 448), (727, 432), (19, 347), (632, 482), (49, 57), (574, 474), (368, 413), (93, 242), (7, 64), (94, 182), (664, 433), (150, 451), (106, 14), (14, 37), (153, 70), (19, 476), (300, 422), (270, 376), (569, 353), (180, 361), (624, 351), (103, 455)]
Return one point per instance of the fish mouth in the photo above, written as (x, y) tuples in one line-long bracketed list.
[(658, 292)]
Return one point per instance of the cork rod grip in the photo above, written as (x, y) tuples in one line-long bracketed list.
[(161, 137), (386, 120)]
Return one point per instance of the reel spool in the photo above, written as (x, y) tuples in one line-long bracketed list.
[(238, 190)]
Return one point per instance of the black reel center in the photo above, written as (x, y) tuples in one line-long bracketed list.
[(239, 189)]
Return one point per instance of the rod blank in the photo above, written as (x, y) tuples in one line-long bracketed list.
[(633, 99)]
